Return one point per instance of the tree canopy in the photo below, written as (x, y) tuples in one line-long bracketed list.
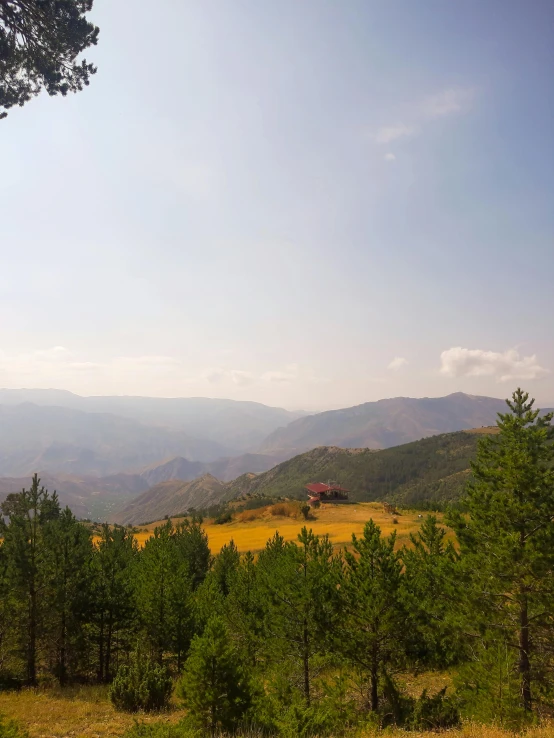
[(40, 41)]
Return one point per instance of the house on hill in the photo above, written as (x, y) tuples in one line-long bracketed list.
[(330, 492)]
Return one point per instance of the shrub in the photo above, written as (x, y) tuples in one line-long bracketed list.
[(225, 517), (305, 510), (9, 729), (141, 685), (437, 712)]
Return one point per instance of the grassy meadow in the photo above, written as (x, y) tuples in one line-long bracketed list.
[(251, 529), (86, 712)]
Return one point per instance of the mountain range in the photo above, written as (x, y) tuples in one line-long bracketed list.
[(101, 452), (426, 473), (385, 423)]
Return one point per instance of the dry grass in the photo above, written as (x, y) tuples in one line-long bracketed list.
[(86, 712), (74, 711), (251, 529)]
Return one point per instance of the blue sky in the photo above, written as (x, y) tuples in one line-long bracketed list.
[(307, 204)]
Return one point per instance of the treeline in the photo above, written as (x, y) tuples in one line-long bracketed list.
[(301, 639)]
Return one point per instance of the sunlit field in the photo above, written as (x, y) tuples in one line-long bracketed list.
[(252, 528), (87, 712)]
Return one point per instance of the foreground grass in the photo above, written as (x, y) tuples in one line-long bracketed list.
[(250, 531), (74, 711), (87, 712)]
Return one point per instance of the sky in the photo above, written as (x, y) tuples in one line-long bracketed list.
[(310, 205)]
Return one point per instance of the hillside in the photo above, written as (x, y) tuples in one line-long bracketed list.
[(426, 473), (431, 471), (385, 423), (172, 498)]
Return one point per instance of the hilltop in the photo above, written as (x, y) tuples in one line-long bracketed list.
[(423, 473)]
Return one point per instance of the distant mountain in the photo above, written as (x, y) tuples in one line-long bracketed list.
[(225, 469), (88, 497), (384, 423), (172, 498), (234, 425), (60, 440)]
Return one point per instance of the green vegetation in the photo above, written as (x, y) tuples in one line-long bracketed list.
[(10, 729), (426, 474), (40, 42), (302, 640), (141, 685)]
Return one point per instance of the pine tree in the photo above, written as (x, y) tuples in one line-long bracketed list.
[(69, 560), (158, 563), (245, 608), (299, 582), (113, 598), (371, 634), (507, 542), (192, 544), (225, 567), (431, 593), (214, 687), (39, 45), (30, 512)]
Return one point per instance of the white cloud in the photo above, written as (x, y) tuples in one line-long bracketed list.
[(450, 101), (397, 363), (506, 366), (386, 134), (390, 157), (240, 378), (214, 375), (289, 374), (447, 102)]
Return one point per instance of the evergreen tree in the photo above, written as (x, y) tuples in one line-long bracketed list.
[(158, 563), (113, 600), (30, 512), (245, 608), (69, 558), (225, 567), (214, 687), (299, 582), (193, 546), (507, 541), (39, 45), (431, 592), (372, 632)]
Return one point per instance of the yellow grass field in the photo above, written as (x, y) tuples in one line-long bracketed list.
[(85, 712), (338, 521)]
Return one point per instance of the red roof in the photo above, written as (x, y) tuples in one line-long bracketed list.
[(318, 488)]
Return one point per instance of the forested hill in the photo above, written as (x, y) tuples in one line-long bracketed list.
[(430, 472)]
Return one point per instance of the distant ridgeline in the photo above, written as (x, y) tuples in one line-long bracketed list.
[(426, 474)]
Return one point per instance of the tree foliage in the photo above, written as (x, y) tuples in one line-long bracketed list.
[(40, 41)]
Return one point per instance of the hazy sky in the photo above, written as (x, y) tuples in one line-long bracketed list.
[(309, 204)]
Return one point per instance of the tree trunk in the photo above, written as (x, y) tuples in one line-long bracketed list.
[(108, 657), (306, 661), (524, 663), (374, 677), (62, 664), (32, 644), (101, 650)]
